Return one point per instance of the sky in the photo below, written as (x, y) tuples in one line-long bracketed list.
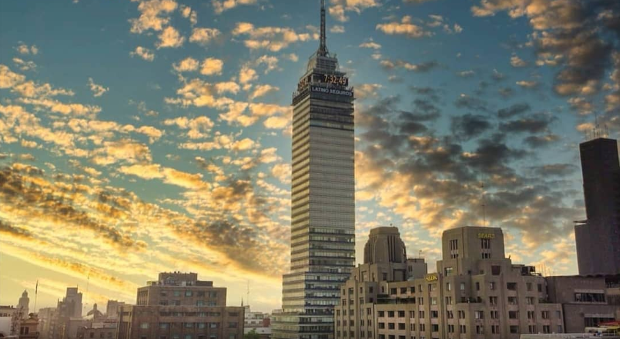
[(146, 136)]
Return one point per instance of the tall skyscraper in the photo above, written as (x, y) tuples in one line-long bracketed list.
[(323, 199), (598, 238)]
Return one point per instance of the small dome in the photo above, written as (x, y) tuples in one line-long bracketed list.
[(25, 294)]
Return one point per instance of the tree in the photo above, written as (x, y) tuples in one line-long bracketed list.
[(251, 335)]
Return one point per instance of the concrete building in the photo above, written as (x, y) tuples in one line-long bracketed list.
[(323, 198), (179, 306), (584, 299), (598, 237), (112, 309), (478, 293), (47, 322)]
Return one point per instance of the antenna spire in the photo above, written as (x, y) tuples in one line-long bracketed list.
[(323, 47)]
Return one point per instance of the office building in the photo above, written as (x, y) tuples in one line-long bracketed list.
[(598, 237), (179, 306), (478, 293), (323, 199)]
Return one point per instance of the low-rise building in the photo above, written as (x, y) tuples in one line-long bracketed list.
[(179, 306)]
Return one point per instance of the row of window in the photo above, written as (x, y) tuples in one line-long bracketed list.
[(163, 326)]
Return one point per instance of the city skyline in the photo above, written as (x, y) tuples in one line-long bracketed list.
[(149, 136)]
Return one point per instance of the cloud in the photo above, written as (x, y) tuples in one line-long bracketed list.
[(24, 65), (188, 64), (271, 38), (203, 36), (528, 83), (469, 126), (24, 49), (8, 78), (404, 27), (97, 90), (421, 67), (247, 75), (211, 66), (515, 61), (198, 127), (219, 6), (370, 44), (532, 125), (262, 90), (337, 29), (170, 38), (143, 53), (154, 15), (513, 110)]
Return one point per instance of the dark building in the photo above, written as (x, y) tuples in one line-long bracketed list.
[(598, 238), (323, 199)]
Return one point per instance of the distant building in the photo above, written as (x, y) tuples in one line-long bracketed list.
[(585, 301), (478, 293), (24, 305), (179, 306), (257, 321), (112, 309), (598, 238), (47, 322)]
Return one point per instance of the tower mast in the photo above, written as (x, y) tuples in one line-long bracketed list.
[(323, 47)]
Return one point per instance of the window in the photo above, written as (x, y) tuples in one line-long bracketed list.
[(462, 286), (546, 329), (477, 286), (514, 329), (496, 270), (164, 326), (486, 255), (494, 314), (462, 328), (529, 300), (403, 290), (479, 314), (493, 301), (454, 248), (531, 315), (144, 326), (421, 314), (590, 297), (188, 293), (485, 244), (461, 314), (513, 301), (479, 329), (513, 315), (529, 286), (448, 271), (545, 314), (511, 286), (492, 285), (448, 300), (448, 286)]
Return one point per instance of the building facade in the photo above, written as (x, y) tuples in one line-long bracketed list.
[(598, 238), (179, 306), (323, 199), (478, 293), (585, 300)]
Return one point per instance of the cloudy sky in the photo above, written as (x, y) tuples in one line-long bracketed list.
[(155, 135)]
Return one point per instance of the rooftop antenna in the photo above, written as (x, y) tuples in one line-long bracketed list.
[(323, 47), (248, 293)]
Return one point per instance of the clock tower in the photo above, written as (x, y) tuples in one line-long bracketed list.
[(322, 199)]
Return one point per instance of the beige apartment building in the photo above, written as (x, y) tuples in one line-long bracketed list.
[(179, 306), (478, 293)]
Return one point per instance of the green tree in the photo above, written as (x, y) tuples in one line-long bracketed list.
[(251, 335)]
